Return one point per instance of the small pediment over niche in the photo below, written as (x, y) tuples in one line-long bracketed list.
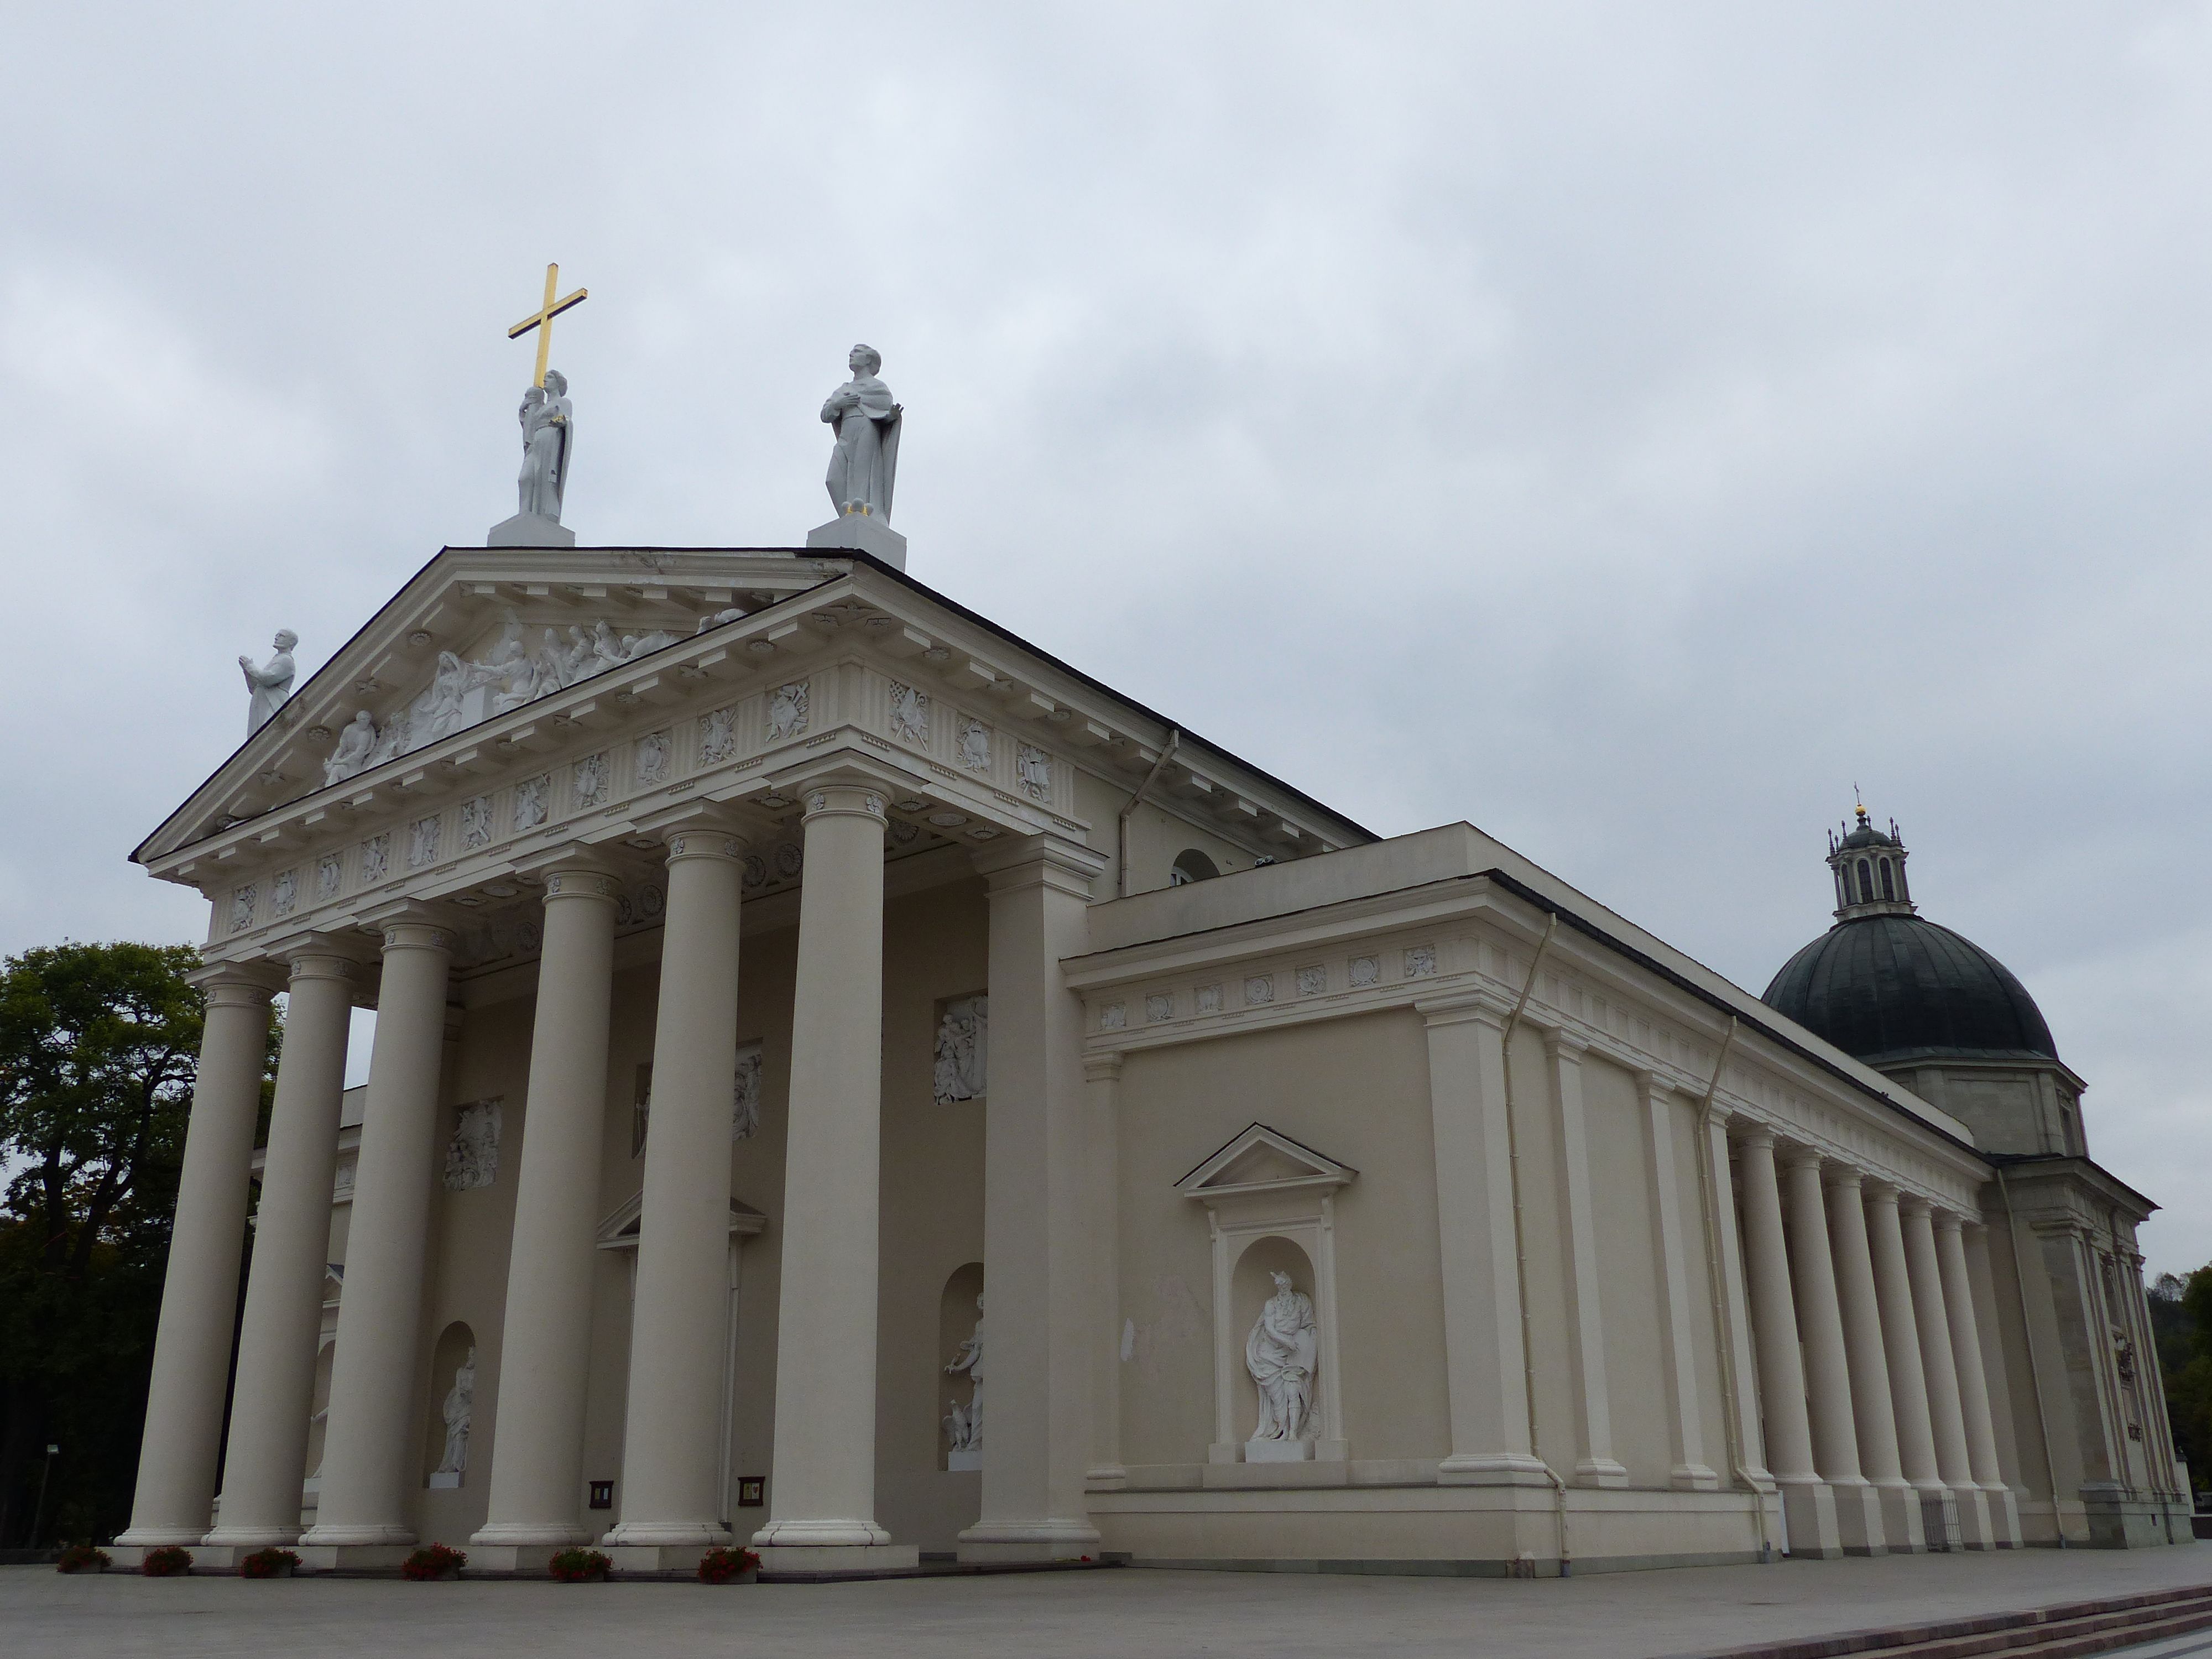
[(620, 1230), (1263, 1160)]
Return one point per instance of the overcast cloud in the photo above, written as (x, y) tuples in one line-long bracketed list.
[(1624, 427)]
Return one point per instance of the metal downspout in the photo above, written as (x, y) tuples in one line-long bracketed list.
[(1122, 830), (1520, 1246)]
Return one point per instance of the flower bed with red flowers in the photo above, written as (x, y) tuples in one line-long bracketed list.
[(166, 1562), (434, 1562), (579, 1566), (720, 1566), (82, 1558), (270, 1563)]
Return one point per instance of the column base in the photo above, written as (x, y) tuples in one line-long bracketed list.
[(1601, 1472), (692, 1535), (1493, 1469), (2003, 1504), (838, 1560), (1808, 1517), (658, 1560), (552, 1534), (1975, 1527), (520, 1559), (821, 1535), (1693, 1477), (338, 1533), (1859, 1517), (353, 1558), (160, 1537), (249, 1539), (1903, 1531), (1030, 1541)]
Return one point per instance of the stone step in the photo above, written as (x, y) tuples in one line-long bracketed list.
[(2053, 1633)]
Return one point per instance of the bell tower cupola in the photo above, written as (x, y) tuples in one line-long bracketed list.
[(1870, 871)]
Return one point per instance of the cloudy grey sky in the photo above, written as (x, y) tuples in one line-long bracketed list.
[(1622, 426)]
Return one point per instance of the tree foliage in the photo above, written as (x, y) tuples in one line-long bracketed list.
[(2181, 1322), (98, 1050)]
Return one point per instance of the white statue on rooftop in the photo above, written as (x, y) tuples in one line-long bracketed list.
[(864, 462), (1280, 1353), (351, 754), (269, 684), (548, 437)]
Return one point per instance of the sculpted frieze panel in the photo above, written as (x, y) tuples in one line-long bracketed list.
[(284, 892), (531, 801), (375, 859), (587, 781), (330, 875), (475, 823), (786, 712), (718, 735), (421, 843)]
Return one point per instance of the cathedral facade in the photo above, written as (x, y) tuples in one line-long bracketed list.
[(799, 998)]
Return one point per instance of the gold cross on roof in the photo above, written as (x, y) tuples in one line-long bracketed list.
[(542, 319)]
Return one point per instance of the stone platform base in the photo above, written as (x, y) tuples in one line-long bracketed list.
[(861, 533), (530, 1559), (801, 1562), (529, 530), (353, 1558), (657, 1560)]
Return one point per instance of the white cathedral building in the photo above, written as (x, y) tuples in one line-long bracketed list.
[(776, 963)]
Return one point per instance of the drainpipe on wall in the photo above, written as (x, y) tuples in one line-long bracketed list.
[(1121, 830), (1520, 1246)]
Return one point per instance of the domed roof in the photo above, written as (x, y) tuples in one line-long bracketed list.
[(1892, 987)]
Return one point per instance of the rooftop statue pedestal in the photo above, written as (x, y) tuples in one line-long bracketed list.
[(530, 529), (860, 532)]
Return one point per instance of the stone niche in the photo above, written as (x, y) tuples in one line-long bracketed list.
[(1270, 1205), (956, 1314)]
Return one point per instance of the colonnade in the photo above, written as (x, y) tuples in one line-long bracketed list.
[(1878, 1427), (822, 1497)]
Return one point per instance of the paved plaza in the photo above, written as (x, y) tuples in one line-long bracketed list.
[(1130, 1611)]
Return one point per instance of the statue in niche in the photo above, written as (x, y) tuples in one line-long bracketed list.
[(472, 1155), (1280, 1353), (459, 1408), (963, 1049), (548, 437), (745, 1102), (966, 1426), (864, 461), (269, 684)]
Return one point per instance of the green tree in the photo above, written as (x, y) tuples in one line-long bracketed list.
[(99, 1049), (2181, 1322)]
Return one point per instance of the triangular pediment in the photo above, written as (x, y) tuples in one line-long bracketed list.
[(1261, 1159), (619, 1229)]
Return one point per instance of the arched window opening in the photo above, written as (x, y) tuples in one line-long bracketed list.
[(1191, 865), (1866, 882), (1888, 885)]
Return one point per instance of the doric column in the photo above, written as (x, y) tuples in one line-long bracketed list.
[(1037, 1257), (821, 1490), (1873, 1414), (270, 1403), (1947, 1419), (1677, 1345), (1909, 1388), (367, 1471), (679, 1328), (1828, 1358), (1486, 1378), (1101, 1080), (1809, 1505), (199, 1292), (1722, 1236), (1595, 1463), (1974, 1383), (538, 1444)]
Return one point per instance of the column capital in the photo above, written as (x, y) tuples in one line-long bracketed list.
[(1947, 1221), (1562, 1044), (1056, 860), (1103, 1067), (1796, 1155), (323, 957), (1755, 1133), (238, 984), (1478, 1006), (1912, 1204), (1879, 1191), (843, 798), (412, 924), (1651, 1085), (575, 858), (705, 840), (1844, 1175)]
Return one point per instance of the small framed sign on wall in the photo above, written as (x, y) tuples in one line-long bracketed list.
[(603, 1494), (752, 1492)]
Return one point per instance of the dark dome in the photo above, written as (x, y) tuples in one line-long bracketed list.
[(1886, 988)]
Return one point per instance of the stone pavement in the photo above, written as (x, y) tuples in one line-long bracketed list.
[(1125, 1612)]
